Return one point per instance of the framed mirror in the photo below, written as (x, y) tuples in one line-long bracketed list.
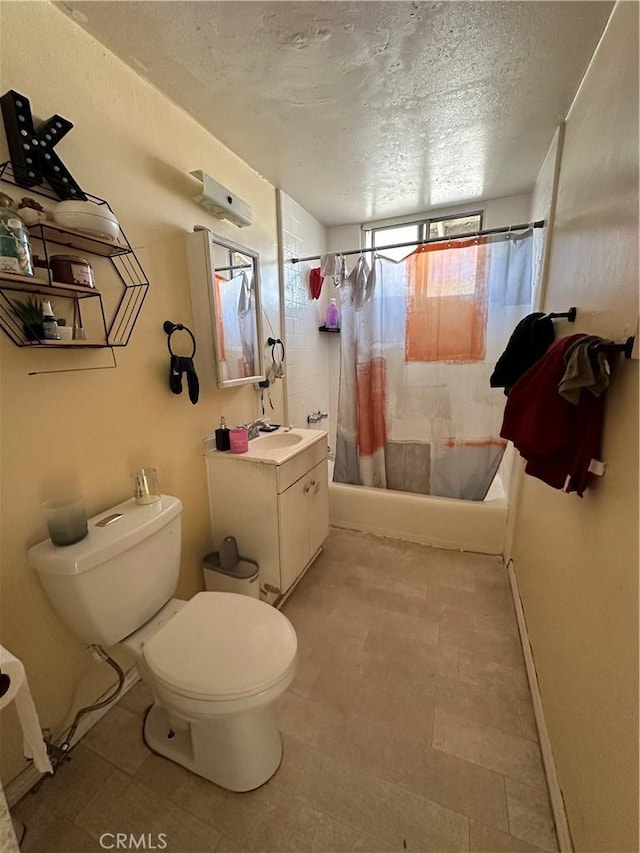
[(225, 298)]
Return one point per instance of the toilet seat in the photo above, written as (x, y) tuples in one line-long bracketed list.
[(222, 647)]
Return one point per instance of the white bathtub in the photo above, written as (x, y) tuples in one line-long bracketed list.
[(477, 526)]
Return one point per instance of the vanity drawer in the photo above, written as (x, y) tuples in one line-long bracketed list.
[(297, 467)]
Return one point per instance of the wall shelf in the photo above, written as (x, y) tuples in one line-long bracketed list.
[(117, 331), (331, 331), (53, 233), (32, 284), (66, 344)]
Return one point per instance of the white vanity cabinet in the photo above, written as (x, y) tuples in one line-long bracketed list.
[(275, 503)]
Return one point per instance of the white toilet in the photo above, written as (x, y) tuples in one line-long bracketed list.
[(216, 664)]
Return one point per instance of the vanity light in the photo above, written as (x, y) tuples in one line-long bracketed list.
[(221, 202)]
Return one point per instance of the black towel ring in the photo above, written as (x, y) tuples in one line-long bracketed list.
[(273, 342), (170, 328)]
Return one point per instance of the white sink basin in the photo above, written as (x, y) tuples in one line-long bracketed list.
[(279, 439), (274, 448)]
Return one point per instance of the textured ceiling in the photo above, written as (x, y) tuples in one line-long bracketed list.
[(364, 110)]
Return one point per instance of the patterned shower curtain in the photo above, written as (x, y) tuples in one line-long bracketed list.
[(419, 339)]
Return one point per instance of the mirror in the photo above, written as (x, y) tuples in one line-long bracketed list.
[(232, 311)]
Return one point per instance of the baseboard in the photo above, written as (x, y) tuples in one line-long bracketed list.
[(555, 793), (25, 781)]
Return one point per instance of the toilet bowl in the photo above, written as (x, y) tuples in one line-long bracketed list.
[(217, 668), (216, 664)]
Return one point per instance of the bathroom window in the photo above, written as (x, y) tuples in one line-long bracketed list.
[(419, 230), (446, 307)]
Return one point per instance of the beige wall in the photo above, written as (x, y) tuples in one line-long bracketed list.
[(90, 429), (576, 560)]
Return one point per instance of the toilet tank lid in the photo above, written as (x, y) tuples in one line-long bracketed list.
[(103, 543)]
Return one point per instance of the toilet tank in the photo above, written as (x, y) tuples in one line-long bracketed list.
[(115, 579)]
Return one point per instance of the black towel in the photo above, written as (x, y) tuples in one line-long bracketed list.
[(529, 341), (182, 364)]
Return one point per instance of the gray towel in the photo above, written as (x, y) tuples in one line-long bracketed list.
[(587, 368)]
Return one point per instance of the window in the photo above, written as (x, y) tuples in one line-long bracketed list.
[(446, 303), (422, 229), (446, 311)]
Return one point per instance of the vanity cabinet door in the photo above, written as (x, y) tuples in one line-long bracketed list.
[(318, 505), (303, 522), (293, 525)]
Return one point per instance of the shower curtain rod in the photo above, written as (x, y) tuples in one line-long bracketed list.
[(504, 230)]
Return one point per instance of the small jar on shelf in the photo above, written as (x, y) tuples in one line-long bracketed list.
[(72, 269)]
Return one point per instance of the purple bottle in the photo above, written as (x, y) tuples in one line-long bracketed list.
[(333, 315)]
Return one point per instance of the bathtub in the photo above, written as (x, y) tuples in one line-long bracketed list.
[(477, 526)]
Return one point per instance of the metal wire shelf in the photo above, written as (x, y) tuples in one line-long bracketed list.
[(131, 275)]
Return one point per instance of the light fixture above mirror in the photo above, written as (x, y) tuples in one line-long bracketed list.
[(221, 202)]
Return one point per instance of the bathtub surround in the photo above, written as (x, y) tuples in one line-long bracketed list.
[(90, 429)]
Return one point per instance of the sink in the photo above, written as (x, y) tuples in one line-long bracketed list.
[(281, 439), (274, 448)]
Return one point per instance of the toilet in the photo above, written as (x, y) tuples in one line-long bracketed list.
[(216, 664)]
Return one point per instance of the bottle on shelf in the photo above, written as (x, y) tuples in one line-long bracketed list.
[(15, 249), (333, 315), (49, 322)]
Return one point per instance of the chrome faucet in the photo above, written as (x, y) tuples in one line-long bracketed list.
[(253, 429), (316, 416)]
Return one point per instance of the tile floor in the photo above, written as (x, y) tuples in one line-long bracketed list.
[(408, 728)]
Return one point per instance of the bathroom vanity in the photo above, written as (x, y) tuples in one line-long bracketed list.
[(274, 500)]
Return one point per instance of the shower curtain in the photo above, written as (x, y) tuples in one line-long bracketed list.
[(419, 339)]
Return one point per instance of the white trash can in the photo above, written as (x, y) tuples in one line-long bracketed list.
[(243, 578)]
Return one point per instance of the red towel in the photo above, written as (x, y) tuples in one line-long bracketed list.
[(315, 283), (557, 439)]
